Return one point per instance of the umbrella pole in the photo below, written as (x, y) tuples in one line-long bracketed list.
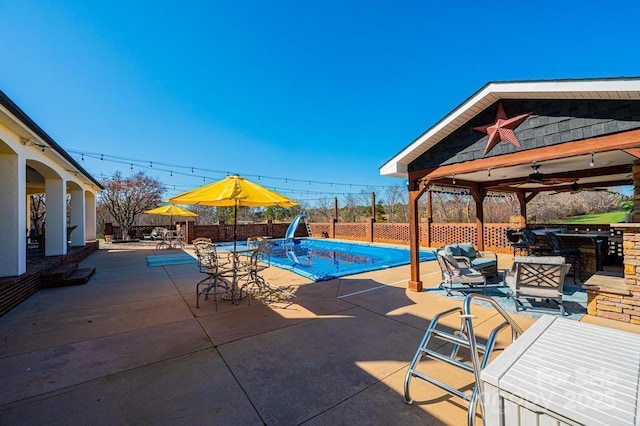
[(235, 225)]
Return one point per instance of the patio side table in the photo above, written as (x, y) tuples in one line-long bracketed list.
[(564, 371)]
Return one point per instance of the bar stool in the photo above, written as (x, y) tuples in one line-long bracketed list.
[(516, 243), (531, 240), (599, 244), (571, 253)]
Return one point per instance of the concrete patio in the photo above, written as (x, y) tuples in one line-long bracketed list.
[(130, 347)]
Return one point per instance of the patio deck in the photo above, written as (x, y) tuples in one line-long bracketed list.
[(131, 348)]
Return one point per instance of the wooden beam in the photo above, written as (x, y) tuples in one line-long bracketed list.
[(624, 141), (530, 197), (415, 192), (564, 188), (633, 151), (523, 207), (574, 174), (429, 217), (478, 195)]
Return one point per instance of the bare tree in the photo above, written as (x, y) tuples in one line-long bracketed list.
[(396, 201), (552, 207), (38, 212), (323, 212), (350, 208), (127, 198), (207, 215), (498, 208)]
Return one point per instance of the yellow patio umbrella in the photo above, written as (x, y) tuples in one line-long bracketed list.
[(171, 210), (233, 191)]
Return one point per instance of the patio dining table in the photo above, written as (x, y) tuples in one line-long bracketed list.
[(171, 238), (236, 272)]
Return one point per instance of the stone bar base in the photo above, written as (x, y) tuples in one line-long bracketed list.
[(616, 297)]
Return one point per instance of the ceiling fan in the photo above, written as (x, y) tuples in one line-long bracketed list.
[(576, 187), (537, 177)]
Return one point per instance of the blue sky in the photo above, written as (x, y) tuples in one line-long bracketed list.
[(314, 91)]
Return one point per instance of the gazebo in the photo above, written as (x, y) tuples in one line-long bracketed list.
[(527, 137)]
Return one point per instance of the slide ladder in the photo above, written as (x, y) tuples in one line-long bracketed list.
[(463, 337), (305, 216)]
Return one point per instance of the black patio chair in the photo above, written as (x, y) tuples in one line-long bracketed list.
[(531, 240), (516, 243), (572, 254)]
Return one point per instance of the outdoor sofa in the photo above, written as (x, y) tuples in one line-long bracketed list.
[(483, 261)]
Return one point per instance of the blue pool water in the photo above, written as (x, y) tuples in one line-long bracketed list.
[(321, 260)]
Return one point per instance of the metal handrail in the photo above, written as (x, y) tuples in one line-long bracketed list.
[(516, 331)]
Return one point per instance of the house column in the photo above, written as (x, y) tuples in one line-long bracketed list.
[(13, 223), (416, 189), (77, 218), (90, 232), (56, 225)]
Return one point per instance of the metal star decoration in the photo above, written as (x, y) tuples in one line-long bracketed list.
[(502, 129)]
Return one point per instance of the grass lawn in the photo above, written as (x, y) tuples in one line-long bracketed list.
[(611, 217)]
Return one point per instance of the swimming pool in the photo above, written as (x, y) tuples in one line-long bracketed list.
[(321, 260)]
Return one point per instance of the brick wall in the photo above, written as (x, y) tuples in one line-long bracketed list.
[(14, 290)]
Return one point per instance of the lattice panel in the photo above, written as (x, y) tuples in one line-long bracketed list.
[(495, 238), (451, 233), (352, 231), (391, 233), (318, 228)]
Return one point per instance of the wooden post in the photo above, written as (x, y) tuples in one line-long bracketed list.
[(636, 191), (416, 189), (335, 209), (478, 195), (523, 208), (429, 218), (373, 206)]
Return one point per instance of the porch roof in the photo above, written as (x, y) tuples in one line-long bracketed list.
[(511, 171), (12, 116)]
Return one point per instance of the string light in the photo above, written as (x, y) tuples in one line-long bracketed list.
[(592, 163), (131, 167), (454, 179), (82, 158), (489, 172), (171, 174), (171, 168)]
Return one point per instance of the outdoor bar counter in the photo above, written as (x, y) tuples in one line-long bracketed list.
[(597, 248), (615, 297)]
